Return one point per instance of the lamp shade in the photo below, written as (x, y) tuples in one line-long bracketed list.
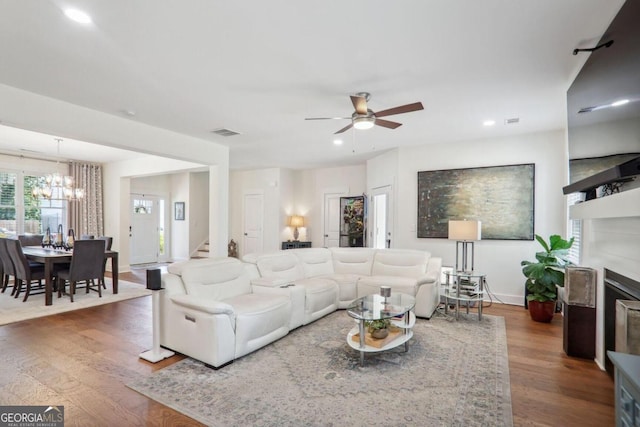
[(465, 230), (296, 221)]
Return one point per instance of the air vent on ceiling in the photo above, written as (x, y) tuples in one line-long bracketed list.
[(225, 132), (512, 121)]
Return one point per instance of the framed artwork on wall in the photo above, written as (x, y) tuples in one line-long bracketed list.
[(502, 197), (178, 208)]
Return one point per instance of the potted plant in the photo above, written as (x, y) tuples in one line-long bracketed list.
[(544, 275), (378, 328)]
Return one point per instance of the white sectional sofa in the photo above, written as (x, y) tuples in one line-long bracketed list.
[(217, 310)]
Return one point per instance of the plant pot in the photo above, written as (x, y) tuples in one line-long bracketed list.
[(380, 334), (542, 311)]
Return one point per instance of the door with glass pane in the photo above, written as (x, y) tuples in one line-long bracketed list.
[(145, 230)]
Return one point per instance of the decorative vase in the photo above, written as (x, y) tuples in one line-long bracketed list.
[(542, 311), (380, 333)]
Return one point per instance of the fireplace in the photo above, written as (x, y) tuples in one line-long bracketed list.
[(616, 286)]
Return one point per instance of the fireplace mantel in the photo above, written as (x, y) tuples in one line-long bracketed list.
[(620, 205)]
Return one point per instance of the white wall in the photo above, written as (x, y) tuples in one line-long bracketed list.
[(198, 210), (311, 185), (499, 259), (267, 183), (117, 189), (180, 229)]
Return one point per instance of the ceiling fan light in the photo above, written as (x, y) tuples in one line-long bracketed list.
[(363, 123)]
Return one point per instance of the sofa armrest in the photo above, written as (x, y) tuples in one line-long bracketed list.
[(270, 282), (430, 277), (196, 303), (172, 285), (434, 269)]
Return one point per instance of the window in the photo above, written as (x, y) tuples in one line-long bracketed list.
[(574, 229), (8, 226), (23, 213)]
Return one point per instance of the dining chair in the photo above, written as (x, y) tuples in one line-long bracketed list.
[(86, 236), (86, 266), (30, 239), (108, 242), (25, 272), (6, 265)]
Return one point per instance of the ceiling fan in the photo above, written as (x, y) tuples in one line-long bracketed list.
[(364, 118)]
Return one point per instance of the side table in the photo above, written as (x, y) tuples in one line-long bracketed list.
[(466, 287)]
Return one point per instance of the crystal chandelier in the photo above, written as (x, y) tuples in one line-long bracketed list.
[(57, 186)]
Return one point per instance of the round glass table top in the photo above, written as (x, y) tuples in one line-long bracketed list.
[(372, 307)]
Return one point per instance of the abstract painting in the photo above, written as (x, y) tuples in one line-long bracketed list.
[(501, 197)]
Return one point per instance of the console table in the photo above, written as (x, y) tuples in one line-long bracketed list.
[(466, 287), (296, 244)]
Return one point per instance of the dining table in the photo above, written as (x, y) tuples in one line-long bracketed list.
[(50, 256)]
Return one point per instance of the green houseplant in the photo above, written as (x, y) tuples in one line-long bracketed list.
[(378, 328), (544, 275)]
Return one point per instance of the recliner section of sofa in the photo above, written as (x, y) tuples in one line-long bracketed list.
[(209, 311)]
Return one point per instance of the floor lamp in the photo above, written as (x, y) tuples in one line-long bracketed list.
[(465, 233)]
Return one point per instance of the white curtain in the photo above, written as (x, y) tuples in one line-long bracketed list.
[(86, 215)]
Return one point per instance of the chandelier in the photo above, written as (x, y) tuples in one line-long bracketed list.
[(56, 186)]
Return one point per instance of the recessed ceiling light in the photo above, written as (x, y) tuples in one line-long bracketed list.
[(620, 102), (488, 123), (78, 16), (337, 142)]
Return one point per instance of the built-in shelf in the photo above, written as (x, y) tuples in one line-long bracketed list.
[(619, 205)]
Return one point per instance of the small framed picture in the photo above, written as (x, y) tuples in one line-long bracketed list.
[(179, 211)]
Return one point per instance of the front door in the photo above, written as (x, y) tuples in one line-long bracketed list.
[(144, 229)]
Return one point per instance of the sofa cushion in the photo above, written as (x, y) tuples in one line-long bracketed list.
[(280, 265), (371, 285), (352, 260), (400, 263), (315, 261), (217, 281)]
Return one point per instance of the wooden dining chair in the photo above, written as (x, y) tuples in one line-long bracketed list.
[(87, 265), (25, 272)]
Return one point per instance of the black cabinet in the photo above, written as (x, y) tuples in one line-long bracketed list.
[(296, 244), (353, 222)]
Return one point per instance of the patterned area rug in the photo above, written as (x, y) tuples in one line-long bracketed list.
[(14, 310), (455, 373)]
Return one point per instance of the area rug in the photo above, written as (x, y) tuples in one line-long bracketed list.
[(14, 310), (455, 373)]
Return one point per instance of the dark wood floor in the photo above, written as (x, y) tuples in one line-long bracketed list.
[(87, 356)]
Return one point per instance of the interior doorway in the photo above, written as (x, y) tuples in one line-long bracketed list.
[(381, 231), (148, 242)]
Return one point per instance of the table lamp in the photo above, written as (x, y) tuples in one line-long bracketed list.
[(464, 233), (296, 221)]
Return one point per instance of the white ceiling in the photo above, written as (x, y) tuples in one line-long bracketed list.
[(259, 68)]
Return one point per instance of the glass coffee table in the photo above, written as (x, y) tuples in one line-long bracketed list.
[(396, 307)]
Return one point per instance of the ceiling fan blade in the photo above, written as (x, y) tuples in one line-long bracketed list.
[(359, 103), (387, 123), (345, 128), (399, 110), (327, 118)]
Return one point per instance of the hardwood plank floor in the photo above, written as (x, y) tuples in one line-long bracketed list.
[(86, 356)]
